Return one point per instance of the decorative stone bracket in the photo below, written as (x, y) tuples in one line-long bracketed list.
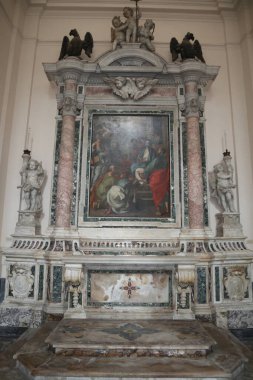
[(185, 278), (73, 278)]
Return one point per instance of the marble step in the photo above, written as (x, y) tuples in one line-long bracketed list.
[(109, 338), (227, 360)]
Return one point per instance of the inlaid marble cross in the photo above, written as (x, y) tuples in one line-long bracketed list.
[(129, 287)]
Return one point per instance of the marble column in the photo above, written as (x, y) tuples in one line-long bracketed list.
[(65, 166), (194, 161)]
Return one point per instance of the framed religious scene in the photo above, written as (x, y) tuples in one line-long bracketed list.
[(130, 165)]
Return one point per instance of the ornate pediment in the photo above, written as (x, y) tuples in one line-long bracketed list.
[(131, 57)]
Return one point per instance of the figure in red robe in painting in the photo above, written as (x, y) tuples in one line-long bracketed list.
[(157, 173)]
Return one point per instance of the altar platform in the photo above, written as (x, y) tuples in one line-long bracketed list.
[(150, 349)]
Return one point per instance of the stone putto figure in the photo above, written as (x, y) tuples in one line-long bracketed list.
[(187, 49), (146, 35), (125, 31), (221, 184), (75, 46), (131, 23), (32, 177), (130, 32), (118, 32)]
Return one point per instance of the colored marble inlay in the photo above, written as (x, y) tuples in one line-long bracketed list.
[(217, 284), (201, 285), (204, 176), (225, 276), (130, 331), (31, 293), (48, 284), (76, 172), (130, 288), (41, 282), (10, 273), (57, 284), (55, 175)]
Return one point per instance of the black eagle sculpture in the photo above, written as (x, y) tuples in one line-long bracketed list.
[(186, 49), (74, 46)]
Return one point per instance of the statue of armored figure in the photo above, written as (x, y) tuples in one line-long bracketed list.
[(30, 208), (32, 177), (222, 191), (221, 183)]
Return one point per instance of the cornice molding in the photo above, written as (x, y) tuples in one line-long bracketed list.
[(158, 68), (194, 5)]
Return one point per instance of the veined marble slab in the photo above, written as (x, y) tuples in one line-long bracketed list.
[(129, 288)]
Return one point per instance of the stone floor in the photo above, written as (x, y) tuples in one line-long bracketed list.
[(158, 350)]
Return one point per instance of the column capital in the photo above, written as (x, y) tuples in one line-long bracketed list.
[(193, 106), (196, 72), (69, 101), (73, 76)]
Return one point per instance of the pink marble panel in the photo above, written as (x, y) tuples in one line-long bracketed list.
[(98, 91), (164, 91)]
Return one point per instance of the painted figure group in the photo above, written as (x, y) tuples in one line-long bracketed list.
[(118, 179)]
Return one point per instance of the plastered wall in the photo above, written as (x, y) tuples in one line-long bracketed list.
[(31, 102)]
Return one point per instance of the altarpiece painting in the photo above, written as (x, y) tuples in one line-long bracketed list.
[(129, 165)]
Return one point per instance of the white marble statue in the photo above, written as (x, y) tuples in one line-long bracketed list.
[(118, 32), (130, 24), (221, 183), (125, 31), (146, 35), (32, 177)]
